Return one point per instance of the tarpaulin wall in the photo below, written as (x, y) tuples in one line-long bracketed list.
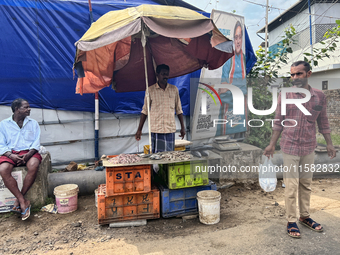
[(37, 52)]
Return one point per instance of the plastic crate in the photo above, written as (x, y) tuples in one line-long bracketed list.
[(185, 175), (125, 179), (181, 201), (128, 206)]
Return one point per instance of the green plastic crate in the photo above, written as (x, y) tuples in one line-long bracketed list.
[(185, 175)]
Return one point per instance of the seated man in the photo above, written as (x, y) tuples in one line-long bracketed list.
[(19, 146)]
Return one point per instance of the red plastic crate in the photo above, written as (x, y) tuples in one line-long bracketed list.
[(123, 179), (128, 206)]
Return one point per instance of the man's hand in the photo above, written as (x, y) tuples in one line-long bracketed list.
[(27, 156), (18, 160), (182, 133), (269, 151), (223, 90), (331, 151), (138, 135)]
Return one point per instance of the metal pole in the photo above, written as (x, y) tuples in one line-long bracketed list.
[(96, 126), (266, 38), (96, 107), (90, 9), (143, 40), (310, 32)]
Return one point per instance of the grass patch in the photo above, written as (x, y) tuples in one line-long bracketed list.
[(37, 207), (6, 215), (49, 200), (335, 139)]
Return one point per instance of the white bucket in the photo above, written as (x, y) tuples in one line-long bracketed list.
[(209, 206), (66, 197), (96, 196)]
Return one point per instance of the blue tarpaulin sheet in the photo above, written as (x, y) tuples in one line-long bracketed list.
[(37, 53)]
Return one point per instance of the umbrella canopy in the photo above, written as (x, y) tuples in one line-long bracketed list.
[(111, 50)]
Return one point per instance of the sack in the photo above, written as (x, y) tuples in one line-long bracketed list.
[(267, 176)]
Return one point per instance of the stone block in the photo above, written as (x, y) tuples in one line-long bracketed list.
[(38, 192), (238, 165)]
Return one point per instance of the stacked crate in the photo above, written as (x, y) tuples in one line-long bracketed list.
[(179, 184), (127, 195)]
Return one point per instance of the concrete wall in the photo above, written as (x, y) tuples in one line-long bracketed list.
[(333, 109)]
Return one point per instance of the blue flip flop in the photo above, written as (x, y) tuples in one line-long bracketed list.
[(28, 215), (14, 209)]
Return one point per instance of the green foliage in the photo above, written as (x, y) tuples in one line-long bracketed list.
[(335, 139), (327, 47), (49, 200), (266, 71), (264, 74)]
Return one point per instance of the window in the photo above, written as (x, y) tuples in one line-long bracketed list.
[(325, 85)]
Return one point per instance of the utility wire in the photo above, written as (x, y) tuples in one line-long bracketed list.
[(263, 5)]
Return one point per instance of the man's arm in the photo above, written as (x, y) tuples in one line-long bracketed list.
[(142, 118), (324, 129), (140, 127), (330, 148), (179, 112), (180, 117), (269, 150), (277, 129), (29, 155)]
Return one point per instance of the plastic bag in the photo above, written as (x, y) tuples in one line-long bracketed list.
[(42, 150), (267, 176)]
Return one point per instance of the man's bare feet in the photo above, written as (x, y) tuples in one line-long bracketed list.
[(16, 206), (25, 209)]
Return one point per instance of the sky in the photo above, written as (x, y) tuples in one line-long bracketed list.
[(254, 15)]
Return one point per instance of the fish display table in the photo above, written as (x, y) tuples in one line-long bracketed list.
[(148, 161)]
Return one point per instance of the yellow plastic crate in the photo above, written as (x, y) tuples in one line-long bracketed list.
[(184, 175)]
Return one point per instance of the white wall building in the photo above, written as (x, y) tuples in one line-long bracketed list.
[(324, 13)]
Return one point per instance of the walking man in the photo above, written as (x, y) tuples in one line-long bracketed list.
[(297, 145)]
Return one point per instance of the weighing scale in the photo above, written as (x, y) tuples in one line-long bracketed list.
[(225, 144)]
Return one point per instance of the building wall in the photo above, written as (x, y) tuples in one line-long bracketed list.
[(299, 22), (325, 9), (333, 109)]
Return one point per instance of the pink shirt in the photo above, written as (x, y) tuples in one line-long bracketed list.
[(301, 139)]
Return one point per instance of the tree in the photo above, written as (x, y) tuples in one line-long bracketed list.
[(265, 73)]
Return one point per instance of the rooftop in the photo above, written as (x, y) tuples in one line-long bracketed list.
[(300, 6)]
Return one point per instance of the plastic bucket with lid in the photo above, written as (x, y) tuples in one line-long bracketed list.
[(66, 197), (209, 206)]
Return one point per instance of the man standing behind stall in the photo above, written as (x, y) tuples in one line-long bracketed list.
[(164, 101), (19, 145)]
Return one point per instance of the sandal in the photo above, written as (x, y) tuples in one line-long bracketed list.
[(16, 209), (292, 227), (309, 223), (25, 214)]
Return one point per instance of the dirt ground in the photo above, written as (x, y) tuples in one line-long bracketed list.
[(79, 232)]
